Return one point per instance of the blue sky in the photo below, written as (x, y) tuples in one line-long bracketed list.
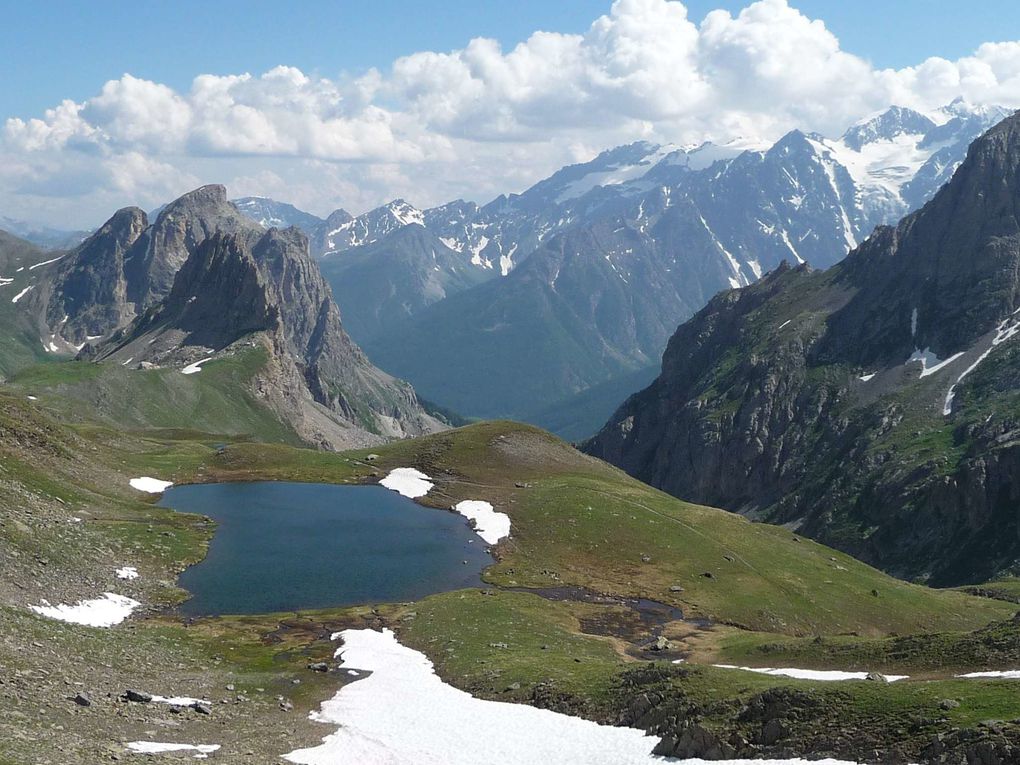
[(61, 49), (100, 106)]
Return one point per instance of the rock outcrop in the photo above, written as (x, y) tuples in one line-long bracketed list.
[(872, 406), (129, 265), (234, 294)]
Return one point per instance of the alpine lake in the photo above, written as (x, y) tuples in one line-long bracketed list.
[(282, 546)]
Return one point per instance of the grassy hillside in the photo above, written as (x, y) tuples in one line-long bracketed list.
[(216, 400), (576, 521), (19, 340)]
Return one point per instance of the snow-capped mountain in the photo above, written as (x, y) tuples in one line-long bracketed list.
[(892, 162), (344, 232), (269, 213), (633, 242), (899, 158)]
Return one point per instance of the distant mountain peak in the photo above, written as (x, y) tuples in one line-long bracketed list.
[(235, 292), (889, 124), (404, 212), (270, 213)]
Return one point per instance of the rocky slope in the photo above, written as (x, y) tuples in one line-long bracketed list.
[(872, 406), (20, 343), (234, 293)]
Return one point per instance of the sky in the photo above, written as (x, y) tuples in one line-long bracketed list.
[(329, 104)]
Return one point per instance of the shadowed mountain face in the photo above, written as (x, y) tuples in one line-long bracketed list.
[(873, 406), (129, 265)]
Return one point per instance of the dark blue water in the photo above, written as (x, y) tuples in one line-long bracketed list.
[(286, 546)]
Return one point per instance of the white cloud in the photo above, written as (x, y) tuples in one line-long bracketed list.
[(472, 122)]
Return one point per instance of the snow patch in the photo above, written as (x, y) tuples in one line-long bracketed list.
[(21, 294), (409, 482), (196, 367), (490, 525), (810, 674), (476, 251), (106, 611), (786, 240), (45, 262), (930, 363), (1003, 674), (155, 747), (150, 485), (865, 378), (614, 175), (881, 168), (403, 713), (1003, 332), (127, 572)]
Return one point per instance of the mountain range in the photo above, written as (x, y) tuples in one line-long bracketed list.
[(872, 406), (516, 307), (550, 306)]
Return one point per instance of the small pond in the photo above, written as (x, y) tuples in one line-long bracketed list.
[(283, 546)]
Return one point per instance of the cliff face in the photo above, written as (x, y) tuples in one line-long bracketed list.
[(874, 406), (233, 293), (129, 265)]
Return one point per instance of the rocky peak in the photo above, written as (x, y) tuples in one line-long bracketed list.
[(946, 274), (404, 213), (121, 230), (452, 214), (129, 265), (234, 293), (893, 122), (85, 293), (218, 296), (181, 226), (338, 217)]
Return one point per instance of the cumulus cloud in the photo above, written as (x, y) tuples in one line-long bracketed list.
[(476, 121)]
